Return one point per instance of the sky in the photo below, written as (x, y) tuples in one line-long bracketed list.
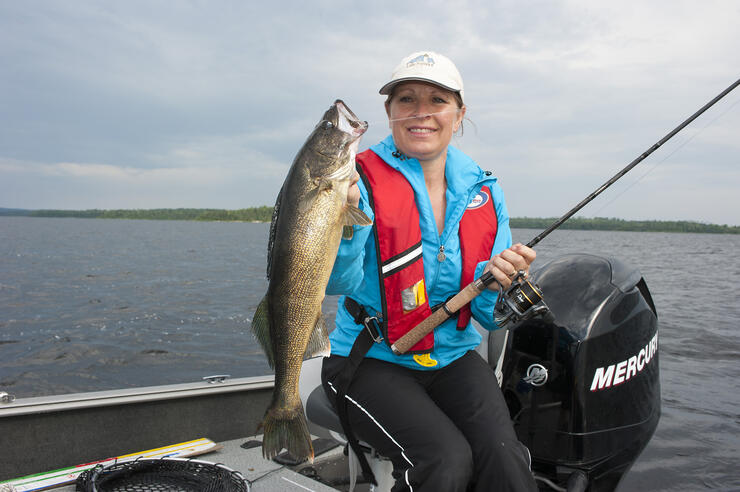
[(204, 104)]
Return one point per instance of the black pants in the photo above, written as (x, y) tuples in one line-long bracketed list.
[(445, 430)]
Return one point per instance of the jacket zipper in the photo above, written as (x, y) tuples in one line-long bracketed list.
[(441, 253)]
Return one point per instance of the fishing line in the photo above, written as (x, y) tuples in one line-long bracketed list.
[(556, 242), (424, 115), (679, 147), (631, 165), (264, 475), (523, 299), (415, 117)]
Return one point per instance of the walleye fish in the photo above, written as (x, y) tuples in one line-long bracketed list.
[(310, 218)]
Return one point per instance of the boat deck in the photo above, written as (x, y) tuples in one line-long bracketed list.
[(270, 476)]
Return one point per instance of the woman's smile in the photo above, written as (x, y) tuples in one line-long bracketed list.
[(417, 130)]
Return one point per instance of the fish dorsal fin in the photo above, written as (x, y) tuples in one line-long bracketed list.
[(273, 231)]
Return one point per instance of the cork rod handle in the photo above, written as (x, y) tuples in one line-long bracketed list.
[(453, 305)]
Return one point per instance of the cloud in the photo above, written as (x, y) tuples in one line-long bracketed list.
[(156, 98), (70, 185), (105, 173)]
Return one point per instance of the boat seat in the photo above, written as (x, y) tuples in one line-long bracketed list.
[(320, 411)]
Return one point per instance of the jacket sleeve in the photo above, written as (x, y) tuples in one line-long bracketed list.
[(482, 306), (348, 271)]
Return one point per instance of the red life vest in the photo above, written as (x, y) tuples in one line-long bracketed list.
[(397, 232)]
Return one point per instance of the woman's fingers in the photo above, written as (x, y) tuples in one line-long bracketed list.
[(519, 256), (353, 194), (502, 270), (506, 265)]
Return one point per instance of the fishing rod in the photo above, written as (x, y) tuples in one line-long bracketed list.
[(524, 299)]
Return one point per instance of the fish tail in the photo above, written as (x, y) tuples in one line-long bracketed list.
[(286, 428)]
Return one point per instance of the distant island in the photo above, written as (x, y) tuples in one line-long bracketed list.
[(264, 214)]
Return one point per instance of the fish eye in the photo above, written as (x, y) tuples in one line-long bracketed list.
[(327, 125)]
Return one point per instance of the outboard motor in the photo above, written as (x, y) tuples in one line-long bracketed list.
[(581, 382)]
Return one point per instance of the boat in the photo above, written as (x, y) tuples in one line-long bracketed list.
[(581, 380)]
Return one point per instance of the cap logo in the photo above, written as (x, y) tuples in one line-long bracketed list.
[(421, 60)]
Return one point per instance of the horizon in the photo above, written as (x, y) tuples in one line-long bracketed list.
[(522, 217)]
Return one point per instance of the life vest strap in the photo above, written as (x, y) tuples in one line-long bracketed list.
[(364, 341)]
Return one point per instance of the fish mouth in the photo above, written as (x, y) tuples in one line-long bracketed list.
[(347, 121)]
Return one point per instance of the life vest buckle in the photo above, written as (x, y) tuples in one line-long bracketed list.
[(372, 325), (362, 317)]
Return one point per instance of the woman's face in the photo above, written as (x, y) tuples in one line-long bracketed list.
[(423, 118)]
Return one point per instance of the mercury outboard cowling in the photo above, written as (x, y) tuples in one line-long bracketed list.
[(581, 382)]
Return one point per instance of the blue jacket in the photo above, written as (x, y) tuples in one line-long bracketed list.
[(355, 271)]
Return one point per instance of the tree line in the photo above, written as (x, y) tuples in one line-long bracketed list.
[(264, 214), (254, 214), (611, 224)]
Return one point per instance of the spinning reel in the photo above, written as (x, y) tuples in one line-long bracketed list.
[(522, 300)]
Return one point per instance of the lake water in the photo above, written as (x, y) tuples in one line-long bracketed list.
[(90, 304)]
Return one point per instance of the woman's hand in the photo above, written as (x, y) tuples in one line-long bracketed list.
[(505, 265), (353, 193)]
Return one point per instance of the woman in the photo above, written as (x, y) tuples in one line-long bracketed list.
[(439, 221)]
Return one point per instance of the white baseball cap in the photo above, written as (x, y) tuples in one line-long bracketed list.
[(426, 66)]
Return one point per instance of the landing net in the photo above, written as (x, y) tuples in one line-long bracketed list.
[(165, 475)]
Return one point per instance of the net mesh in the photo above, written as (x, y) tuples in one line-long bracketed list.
[(165, 475)]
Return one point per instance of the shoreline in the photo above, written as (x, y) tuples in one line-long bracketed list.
[(264, 215)]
